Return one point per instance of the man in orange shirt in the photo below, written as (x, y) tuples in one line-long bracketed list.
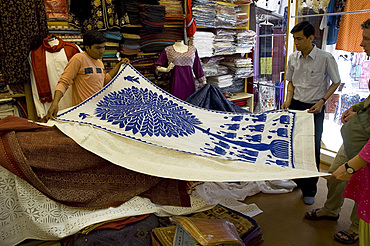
[(84, 72)]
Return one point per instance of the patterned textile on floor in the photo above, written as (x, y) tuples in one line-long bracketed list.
[(193, 231), (225, 146), (117, 224), (87, 181), (44, 219), (134, 234), (247, 228)]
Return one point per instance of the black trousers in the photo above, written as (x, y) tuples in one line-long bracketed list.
[(309, 185)]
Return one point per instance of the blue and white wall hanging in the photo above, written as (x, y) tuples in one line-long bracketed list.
[(139, 113)]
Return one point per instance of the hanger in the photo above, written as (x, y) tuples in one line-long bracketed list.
[(52, 38), (305, 5), (266, 22)]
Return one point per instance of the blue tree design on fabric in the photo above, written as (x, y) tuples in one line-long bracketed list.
[(146, 112)]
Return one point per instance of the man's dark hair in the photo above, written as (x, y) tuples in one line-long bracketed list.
[(366, 24), (304, 26), (93, 37)]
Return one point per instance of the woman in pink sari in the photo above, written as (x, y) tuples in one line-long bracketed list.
[(357, 171)]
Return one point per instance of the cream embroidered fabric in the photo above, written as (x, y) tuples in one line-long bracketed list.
[(134, 124)]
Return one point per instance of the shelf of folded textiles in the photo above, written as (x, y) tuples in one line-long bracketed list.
[(235, 28), (8, 95), (129, 25)]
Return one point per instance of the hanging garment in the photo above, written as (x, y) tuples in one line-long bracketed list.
[(266, 51), (350, 33), (331, 23), (182, 83), (99, 14), (39, 64), (47, 65), (23, 27)]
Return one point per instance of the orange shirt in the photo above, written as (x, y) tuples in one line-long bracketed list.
[(85, 74), (350, 32)]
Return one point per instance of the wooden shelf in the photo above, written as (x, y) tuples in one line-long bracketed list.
[(8, 95), (240, 96), (129, 25), (248, 97)]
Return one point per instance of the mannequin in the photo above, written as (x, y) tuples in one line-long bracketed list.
[(52, 61), (179, 47), (182, 61)]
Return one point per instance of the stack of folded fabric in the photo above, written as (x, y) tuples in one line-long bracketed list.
[(242, 19), (240, 67), (223, 48), (224, 42), (156, 42), (113, 36), (110, 55), (245, 41), (204, 12), (56, 10), (174, 12), (211, 65), (145, 65), (225, 15), (130, 44), (221, 80), (224, 35), (72, 38), (203, 42), (152, 17), (65, 31), (238, 86), (132, 9)]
